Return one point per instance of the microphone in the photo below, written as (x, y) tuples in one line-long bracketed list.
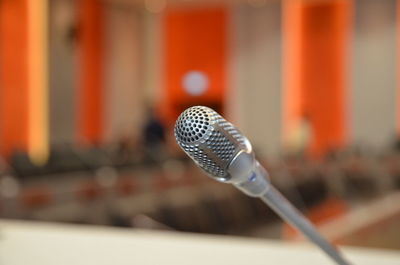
[(227, 156)]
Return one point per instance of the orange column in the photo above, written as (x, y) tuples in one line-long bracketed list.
[(316, 64), (195, 41), (90, 87), (13, 76), (292, 58), (38, 80)]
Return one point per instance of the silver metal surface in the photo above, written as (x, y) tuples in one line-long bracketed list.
[(209, 140), (274, 199)]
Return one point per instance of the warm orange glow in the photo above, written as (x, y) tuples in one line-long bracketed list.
[(317, 38), (195, 40), (292, 94), (321, 214), (38, 80), (90, 88), (13, 76)]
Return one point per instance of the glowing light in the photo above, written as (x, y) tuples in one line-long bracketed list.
[(195, 83)]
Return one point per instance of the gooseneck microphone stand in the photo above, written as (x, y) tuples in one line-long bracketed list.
[(274, 199)]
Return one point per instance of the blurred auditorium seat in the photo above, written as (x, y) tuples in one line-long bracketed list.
[(167, 215), (161, 182), (23, 166), (216, 218), (64, 158), (126, 186), (36, 197), (89, 190), (313, 190), (189, 200), (359, 184), (95, 157)]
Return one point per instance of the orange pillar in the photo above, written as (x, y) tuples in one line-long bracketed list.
[(13, 76), (195, 44), (90, 87), (38, 80), (292, 94), (317, 38)]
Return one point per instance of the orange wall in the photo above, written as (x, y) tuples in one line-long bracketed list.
[(317, 65), (13, 76), (90, 87), (194, 39)]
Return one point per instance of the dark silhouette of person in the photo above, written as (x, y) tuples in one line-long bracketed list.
[(154, 135)]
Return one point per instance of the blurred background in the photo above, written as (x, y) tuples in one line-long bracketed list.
[(90, 91)]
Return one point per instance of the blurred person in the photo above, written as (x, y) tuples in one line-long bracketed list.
[(300, 138), (154, 135)]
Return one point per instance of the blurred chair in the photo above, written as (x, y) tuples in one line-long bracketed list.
[(23, 166), (64, 158), (89, 190), (36, 197), (126, 186), (95, 157)]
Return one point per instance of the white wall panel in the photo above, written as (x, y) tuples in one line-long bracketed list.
[(255, 74), (373, 97)]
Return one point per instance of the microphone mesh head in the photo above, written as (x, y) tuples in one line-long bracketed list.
[(209, 140), (193, 124)]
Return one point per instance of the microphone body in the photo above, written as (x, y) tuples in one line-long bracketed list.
[(226, 155)]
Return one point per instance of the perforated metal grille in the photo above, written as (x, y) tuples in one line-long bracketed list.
[(192, 124), (203, 161), (208, 139), (231, 130), (221, 146)]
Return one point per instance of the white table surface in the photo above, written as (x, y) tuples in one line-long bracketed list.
[(30, 243)]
